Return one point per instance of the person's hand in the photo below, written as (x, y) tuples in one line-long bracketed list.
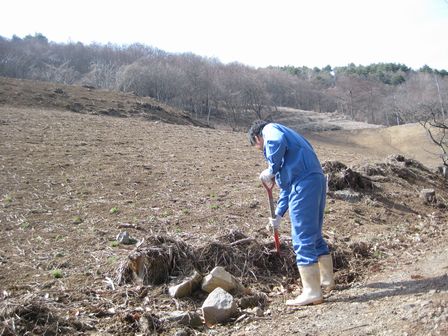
[(266, 177), (274, 223)]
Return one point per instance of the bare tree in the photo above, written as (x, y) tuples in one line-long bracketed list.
[(417, 92), (379, 93), (440, 96), (437, 130), (103, 75)]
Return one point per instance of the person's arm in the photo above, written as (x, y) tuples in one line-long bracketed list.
[(282, 203)]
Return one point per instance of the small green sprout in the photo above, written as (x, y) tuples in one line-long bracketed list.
[(24, 225), (114, 210), (112, 259), (77, 220), (166, 213), (114, 243), (57, 273)]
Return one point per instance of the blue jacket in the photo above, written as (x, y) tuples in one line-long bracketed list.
[(290, 157)]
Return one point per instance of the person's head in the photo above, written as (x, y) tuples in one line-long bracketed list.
[(254, 134)]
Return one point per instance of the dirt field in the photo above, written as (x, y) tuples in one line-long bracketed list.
[(71, 182)]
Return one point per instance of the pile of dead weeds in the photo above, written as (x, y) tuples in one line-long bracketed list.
[(405, 171), (395, 168), (253, 262), (34, 315)]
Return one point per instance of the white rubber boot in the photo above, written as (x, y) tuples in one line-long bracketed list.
[(311, 292), (326, 272)]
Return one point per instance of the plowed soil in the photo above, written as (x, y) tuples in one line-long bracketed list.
[(71, 181)]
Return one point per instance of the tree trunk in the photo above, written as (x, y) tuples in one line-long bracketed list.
[(440, 97)]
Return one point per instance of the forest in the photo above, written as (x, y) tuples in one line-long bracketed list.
[(383, 93)]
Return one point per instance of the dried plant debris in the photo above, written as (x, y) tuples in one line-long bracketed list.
[(398, 166), (156, 260), (32, 315), (341, 177), (251, 261)]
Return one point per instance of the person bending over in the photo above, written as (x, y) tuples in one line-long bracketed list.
[(294, 166)]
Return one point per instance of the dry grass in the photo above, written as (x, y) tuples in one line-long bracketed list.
[(192, 196)]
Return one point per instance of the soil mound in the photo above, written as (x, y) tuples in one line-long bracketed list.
[(340, 177)]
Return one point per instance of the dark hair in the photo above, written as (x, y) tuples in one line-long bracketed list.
[(255, 130)]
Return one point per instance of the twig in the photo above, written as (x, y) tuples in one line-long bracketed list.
[(140, 243), (130, 226), (127, 298), (359, 326), (244, 240)]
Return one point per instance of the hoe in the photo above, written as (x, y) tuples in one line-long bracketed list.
[(272, 208)]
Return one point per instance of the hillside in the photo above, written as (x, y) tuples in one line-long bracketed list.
[(87, 100), (335, 132), (71, 182), (411, 140)]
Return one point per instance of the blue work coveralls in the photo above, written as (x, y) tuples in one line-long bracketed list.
[(299, 175)]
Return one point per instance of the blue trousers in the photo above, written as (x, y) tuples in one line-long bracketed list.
[(306, 211)]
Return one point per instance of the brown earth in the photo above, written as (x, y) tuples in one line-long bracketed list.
[(71, 182)]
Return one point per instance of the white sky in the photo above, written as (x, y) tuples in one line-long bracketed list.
[(253, 32)]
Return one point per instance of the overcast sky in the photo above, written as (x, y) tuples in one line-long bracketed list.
[(253, 32)]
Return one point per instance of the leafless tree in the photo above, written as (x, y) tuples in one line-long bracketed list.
[(437, 129), (210, 90)]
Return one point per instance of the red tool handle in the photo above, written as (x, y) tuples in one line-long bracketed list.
[(272, 208), (276, 241)]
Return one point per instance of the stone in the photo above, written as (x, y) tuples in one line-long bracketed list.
[(190, 319), (257, 311), (187, 287), (428, 196), (218, 307), (182, 332), (443, 170), (123, 238), (219, 277), (149, 323), (347, 195)]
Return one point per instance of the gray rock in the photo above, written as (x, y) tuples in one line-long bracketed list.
[(191, 319), (182, 332), (123, 238), (428, 196), (257, 311), (186, 287), (219, 277), (347, 195), (443, 170), (149, 323), (218, 307)]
